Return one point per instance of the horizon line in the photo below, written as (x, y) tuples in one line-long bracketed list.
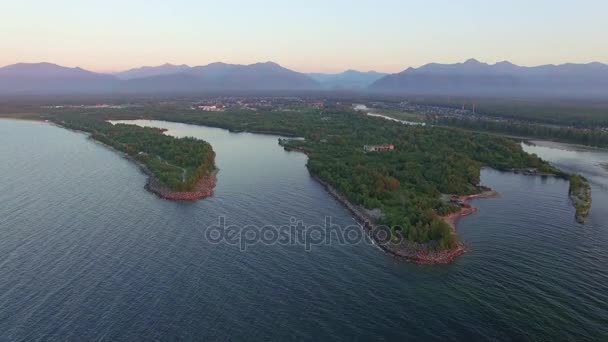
[(114, 72)]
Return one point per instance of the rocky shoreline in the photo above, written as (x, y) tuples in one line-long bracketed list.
[(467, 209), (580, 195), (205, 186), (402, 248), (419, 253)]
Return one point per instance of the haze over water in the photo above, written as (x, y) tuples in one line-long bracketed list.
[(87, 253)]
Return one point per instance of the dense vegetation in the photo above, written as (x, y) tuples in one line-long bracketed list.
[(580, 193), (564, 134), (582, 113), (405, 184), (177, 163)]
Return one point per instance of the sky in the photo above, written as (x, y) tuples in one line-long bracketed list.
[(307, 36)]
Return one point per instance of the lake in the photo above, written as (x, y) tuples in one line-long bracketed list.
[(86, 253)]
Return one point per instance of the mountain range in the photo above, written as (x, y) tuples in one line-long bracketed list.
[(54, 79), (469, 78), (149, 71), (501, 79), (348, 80), (50, 78)]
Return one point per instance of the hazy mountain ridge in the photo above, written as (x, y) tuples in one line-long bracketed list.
[(503, 78), (51, 79), (151, 71), (469, 78), (47, 77), (217, 75), (349, 79)]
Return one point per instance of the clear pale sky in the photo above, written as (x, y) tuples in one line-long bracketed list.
[(307, 36)]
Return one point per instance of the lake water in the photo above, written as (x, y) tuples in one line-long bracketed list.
[(87, 254), (369, 111)]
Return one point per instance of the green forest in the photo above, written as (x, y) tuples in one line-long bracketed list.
[(405, 184), (564, 134), (177, 163), (580, 113), (580, 193)]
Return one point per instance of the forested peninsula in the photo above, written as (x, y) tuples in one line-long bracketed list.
[(413, 180), (178, 169), (580, 194)]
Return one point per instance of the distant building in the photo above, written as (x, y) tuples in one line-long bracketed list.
[(379, 148)]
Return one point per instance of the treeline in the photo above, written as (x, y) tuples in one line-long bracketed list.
[(581, 113), (177, 163), (563, 134)]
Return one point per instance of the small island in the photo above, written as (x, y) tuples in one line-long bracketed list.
[(179, 169), (580, 194)]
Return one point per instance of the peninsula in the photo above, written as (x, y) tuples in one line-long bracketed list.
[(580, 194), (386, 173), (178, 169), (403, 184)]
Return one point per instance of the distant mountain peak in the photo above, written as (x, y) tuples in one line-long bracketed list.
[(169, 65), (472, 61), (347, 80), (34, 65), (45, 69), (506, 63), (269, 63), (49, 78)]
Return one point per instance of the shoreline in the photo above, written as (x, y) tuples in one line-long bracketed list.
[(231, 130), (580, 196), (205, 186), (27, 119), (466, 208), (424, 254)]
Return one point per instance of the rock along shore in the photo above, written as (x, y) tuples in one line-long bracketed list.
[(204, 187), (467, 209)]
